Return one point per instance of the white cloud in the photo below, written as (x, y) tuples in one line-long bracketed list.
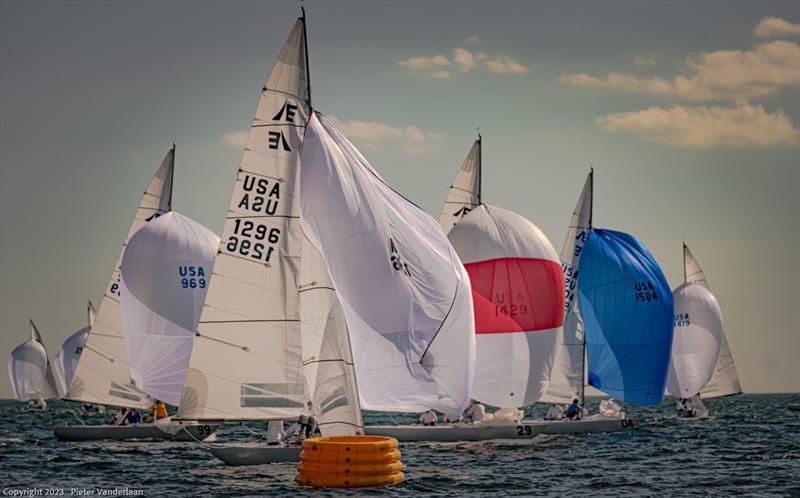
[(473, 39), (466, 61), (645, 60), (375, 135), (504, 64), (744, 125), (235, 139), (775, 27), (725, 74), (419, 63)]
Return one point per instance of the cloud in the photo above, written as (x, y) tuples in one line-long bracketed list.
[(473, 39), (775, 27), (235, 139), (725, 74), (375, 135), (465, 61), (419, 63), (645, 61), (504, 64), (744, 125)]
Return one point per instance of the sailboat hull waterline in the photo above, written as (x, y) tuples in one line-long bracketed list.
[(457, 432), (256, 454), (190, 432)]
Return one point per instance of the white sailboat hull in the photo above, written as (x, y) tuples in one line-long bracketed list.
[(191, 432), (256, 454), (457, 432), (595, 425)]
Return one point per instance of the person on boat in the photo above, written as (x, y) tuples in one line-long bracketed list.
[(133, 417), (312, 429), (682, 407), (298, 430), (476, 411), (275, 434), (575, 410), (555, 412), (453, 418), (121, 417), (429, 418), (157, 411)]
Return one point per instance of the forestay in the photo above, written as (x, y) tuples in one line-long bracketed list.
[(627, 312), (102, 375), (166, 272), (29, 370), (327, 356), (567, 376), (69, 354), (465, 192), (517, 294), (405, 294), (725, 380), (246, 359)]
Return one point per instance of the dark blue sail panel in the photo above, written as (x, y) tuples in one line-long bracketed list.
[(627, 312)]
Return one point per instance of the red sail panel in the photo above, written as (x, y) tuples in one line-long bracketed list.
[(516, 295)]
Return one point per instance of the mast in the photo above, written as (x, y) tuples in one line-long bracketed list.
[(305, 48), (583, 342), (171, 178), (684, 261), (480, 166)]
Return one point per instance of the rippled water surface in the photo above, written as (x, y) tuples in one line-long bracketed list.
[(749, 446)]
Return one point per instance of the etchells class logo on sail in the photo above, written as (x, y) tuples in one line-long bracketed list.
[(124, 392), (273, 395)]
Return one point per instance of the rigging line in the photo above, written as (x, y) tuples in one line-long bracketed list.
[(301, 99), (452, 303), (341, 422), (99, 353), (323, 287), (98, 334), (243, 348), (463, 190), (338, 360)]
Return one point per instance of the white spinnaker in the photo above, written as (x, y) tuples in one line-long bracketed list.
[(246, 360), (725, 380), (465, 192), (166, 272), (29, 370), (405, 294), (67, 359), (102, 375), (696, 342), (567, 375), (516, 284), (327, 357)]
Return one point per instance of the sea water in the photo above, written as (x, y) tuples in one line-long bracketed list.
[(750, 445)]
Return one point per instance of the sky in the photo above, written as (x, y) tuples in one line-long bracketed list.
[(688, 111)]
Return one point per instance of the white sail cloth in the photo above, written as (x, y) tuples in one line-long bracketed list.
[(166, 272), (567, 375), (405, 294), (696, 340), (102, 375), (327, 356), (29, 370), (465, 192), (517, 290), (246, 362), (67, 359)]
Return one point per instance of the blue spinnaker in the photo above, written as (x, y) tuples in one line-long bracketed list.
[(627, 311)]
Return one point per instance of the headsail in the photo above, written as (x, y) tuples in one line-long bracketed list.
[(327, 356), (517, 294), (166, 271), (29, 370), (405, 294), (725, 380), (627, 311), (102, 374), (567, 375), (465, 192), (246, 359)]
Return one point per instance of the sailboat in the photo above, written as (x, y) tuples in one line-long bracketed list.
[(102, 374), (702, 365), (29, 371), (70, 352), (269, 343), (567, 377)]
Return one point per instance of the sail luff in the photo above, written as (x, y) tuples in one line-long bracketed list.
[(465, 190)]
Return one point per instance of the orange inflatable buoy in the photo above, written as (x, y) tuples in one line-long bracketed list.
[(349, 462)]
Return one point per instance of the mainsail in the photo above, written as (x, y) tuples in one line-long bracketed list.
[(517, 294), (327, 356), (567, 375), (465, 192), (67, 358), (246, 362), (29, 370), (102, 375), (166, 271), (725, 380), (627, 311)]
